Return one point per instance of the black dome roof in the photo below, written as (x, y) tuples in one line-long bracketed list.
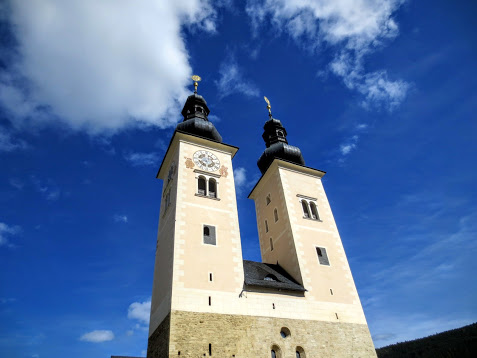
[(275, 137), (196, 122)]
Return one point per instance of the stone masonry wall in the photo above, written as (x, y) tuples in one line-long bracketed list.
[(158, 342), (249, 336)]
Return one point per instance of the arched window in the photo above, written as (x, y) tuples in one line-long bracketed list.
[(201, 186), (280, 133), (300, 352), (276, 352), (306, 212), (314, 211), (275, 214), (212, 188), (271, 244)]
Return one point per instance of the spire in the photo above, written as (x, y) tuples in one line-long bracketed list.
[(275, 137), (195, 114)]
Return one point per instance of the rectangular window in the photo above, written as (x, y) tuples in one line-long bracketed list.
[(322, 256), (209, 235), (210, 301), (210, 276)]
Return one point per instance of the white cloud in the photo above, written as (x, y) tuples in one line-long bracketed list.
[(240, 177), (98, 336), (232, 80), (142, 159), (352, 28), (100, 65), (140, 311), (121, 218), (6, 230)]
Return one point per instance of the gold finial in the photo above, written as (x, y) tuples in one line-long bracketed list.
[(196, 79), (268, 106)]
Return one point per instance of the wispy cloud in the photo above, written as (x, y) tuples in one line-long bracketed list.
[(392, 329), (242, 180), (5, 231), (47, 188), (232, 80), (349, 145), (142, 159), (98, 336), (90, 82), (121, 218), (16, 183), (375, 87), (352, 29), (8, 143)]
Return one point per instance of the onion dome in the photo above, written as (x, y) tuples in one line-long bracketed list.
[(195, 114), (275, 137)]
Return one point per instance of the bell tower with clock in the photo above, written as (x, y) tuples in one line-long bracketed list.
[(198, 267), (300, 301)]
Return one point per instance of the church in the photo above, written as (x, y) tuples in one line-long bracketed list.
[(207, 301)]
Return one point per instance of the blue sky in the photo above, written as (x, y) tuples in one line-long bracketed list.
[(380, 94)]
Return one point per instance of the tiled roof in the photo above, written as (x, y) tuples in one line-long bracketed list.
[(269, 276)]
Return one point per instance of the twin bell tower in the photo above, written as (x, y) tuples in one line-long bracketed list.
[(300, 301)]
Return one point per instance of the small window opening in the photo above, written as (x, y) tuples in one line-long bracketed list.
[(210, 349), (331, 291), (271, 244), (280, 133), (210, 277), (322, 256), (210, 301), (201, 186), (275, 214), (274, 355), (314, 211), (306, 212), (209, 235), (336, 314), (179, 353), (212, 188), (273, 305), (269, 200), (285, 332), (298, 355), (266, 226)]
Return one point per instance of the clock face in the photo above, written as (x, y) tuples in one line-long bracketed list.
[(206, 161)]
